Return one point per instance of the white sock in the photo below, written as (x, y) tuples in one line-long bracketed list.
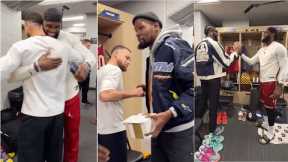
[(265, 123), (270, 133)]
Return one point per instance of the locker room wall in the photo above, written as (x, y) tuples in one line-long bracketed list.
[(124, 34), (10, 33)]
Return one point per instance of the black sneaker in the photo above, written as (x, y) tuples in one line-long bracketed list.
[(86, 102)]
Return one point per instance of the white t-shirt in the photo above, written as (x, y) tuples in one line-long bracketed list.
[(109, 114), (44, 92), (272, 58)]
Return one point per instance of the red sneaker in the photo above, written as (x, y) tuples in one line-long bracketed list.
[(224, 118), (219, 118)]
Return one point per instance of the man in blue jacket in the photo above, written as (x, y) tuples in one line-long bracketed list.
[(210, 62), (169, 74)]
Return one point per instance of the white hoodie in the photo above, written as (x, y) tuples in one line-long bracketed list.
[(72, 88), (273, 59)]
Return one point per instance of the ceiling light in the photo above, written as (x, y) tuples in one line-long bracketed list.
[(54, 2), (79, 25), (207, 1), (74, 18)]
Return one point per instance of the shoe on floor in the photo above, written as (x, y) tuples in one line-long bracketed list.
[(209, 153), (215, 145), (86, 102), (260, 132), (200, 157), (224, 118), (262, 125), (219, 118), (211, 136), (213, 140), (265, 139), (219, 130)]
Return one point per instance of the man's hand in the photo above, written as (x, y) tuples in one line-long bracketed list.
[(159, 121), (103, 154), (138, 92), (81, 72), (277, 92), (143, 86), (46, 63), (237, 47)]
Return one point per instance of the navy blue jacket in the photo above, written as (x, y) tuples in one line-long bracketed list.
[(174, 60)]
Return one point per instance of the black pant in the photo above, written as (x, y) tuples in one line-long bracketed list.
[(84, 86), (116, 143), (173, 147), (271, 113), (210, 93), (40, 139)]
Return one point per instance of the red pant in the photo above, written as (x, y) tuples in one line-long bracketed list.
[(71, 129), (266, 89)]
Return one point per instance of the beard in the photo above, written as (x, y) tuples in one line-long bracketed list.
[(143, 45), (122, 67), (54, 35), (266, 39), (215, 37)]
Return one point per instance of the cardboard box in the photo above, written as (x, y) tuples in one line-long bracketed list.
[(138, 126), (241, 98)]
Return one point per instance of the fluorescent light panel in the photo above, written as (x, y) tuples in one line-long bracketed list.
[(208, 1), (79, 25), (74, 18), (53, 2)]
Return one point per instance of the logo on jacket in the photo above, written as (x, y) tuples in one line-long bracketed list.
[(163, 67), (202, 52)]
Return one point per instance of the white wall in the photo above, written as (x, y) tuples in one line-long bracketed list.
[(10, 33), (200, 21), (236, 23), (75, 30), (92, 32), (88, 31), (163, 9)]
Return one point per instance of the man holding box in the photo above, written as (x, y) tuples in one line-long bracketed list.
[(169, 73), (111, 130)]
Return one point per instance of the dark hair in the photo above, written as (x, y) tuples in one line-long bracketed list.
[(86, 40), (273, 31), (208, 29), (118, 47), (53, 14), (33, 17)]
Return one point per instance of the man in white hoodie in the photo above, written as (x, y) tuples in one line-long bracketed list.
[(42, 119), (52, 25), (272, 59)]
